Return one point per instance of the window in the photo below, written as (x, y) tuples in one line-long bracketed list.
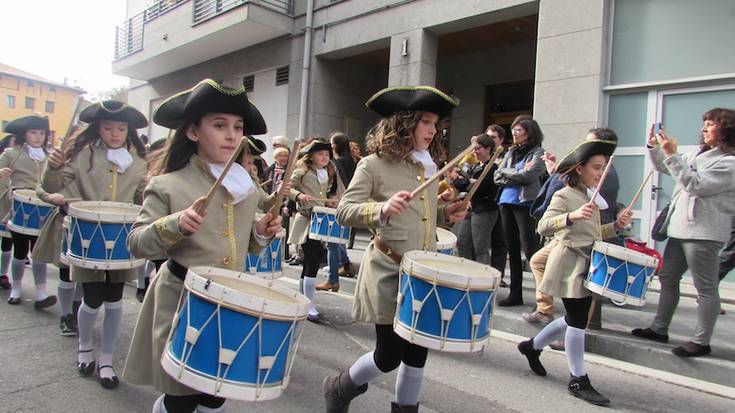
[(11, 101), (30, 85), (282, 76), (30, 103), (51, 88), (49, 106), (249, 83)]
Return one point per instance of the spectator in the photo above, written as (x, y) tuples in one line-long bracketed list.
[(280, 141), (697, 224), (519, 177), (355, 150)]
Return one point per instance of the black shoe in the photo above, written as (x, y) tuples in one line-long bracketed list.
[(5, 282), (108, 383), (45, 303), (510, 301), (503, 284), (86, 369), (650, 335), (526, 348), (582, 388), (68, 329), (691, 349), (14, 300), (402, 408), (140, 294), (295, 261)]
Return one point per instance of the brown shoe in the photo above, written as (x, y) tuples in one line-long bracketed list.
[(325, 286), (335, 287)]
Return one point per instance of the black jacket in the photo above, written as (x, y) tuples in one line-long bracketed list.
[(484, 198)]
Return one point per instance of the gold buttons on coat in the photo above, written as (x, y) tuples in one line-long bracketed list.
[(226, 260), (422, 197), (425, 218), (225, 233), (418, 177)]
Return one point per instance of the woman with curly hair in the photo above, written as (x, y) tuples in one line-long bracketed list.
[(403, 155), (697, 224)]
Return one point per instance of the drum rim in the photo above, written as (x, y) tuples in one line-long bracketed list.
[(450, 243), (29, 199), (625, 254), (439, 344), (23, 230), (317, 208), (620, 297), (470, 283), (237, 300), (76, 210), (91, 264)]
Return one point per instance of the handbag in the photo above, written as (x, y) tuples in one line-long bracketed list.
[(658, 232)]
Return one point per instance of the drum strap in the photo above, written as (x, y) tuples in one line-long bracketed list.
[(383, 247), (177, 269)]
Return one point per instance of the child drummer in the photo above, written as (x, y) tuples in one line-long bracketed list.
[(105, 163), (403, 150), (23, 164), (209, 120), (574, 222)]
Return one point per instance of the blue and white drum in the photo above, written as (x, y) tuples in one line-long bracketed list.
[(28, 213), (444, 302), (268, 263), (620, 274), (446, 242), (63, 257), (98, 231), (4, 230), (234, 335), (324, 226)]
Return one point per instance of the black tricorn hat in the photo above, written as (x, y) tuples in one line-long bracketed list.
[(316, 145), (256, 146), (114, 110), (205, 97), (584, 151), (20, 126), (425, 98)]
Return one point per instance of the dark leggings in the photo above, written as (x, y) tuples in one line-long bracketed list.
[(313, 251), (391, 350), (95, 293), (187, 404), (577, 311), (22, 245), (520, 233), (64, 274), (7, 244)]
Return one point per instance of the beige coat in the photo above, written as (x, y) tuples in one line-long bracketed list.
[(225, 238), (375, 181), (26, 175), (305, 181), (571, 245), (102, 182)]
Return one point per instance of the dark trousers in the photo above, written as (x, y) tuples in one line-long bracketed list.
[(187, 404), (22, 244), (520, 233), (727, 255), (391, 350), (96, 293), (577, 311), (498, 248), (313, 251)]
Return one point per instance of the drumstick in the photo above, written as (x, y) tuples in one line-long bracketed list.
[(482, 176), (638, 194), (201, 206), (602, 180), (266, 183), (276, 208), (448, 166), (70, 200)]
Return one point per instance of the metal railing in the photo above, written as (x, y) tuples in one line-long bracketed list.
[(129, 35), (207, 9)]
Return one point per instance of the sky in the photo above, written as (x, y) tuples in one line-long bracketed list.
[(58, 39)]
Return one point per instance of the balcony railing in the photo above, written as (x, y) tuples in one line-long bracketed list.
[(129, 35)]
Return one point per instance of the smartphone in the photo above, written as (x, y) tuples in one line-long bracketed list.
[(657, 128)]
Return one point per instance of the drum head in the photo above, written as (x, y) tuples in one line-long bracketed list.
[(104, 211), (450, 271), (28, 196), (626, 254), (445, 239)]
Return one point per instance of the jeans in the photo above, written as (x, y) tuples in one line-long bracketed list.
[(727, 256), (475, 236), (337, 257)]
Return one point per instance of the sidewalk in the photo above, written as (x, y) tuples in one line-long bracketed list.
[(614, 340)]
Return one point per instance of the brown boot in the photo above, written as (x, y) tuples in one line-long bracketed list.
[(325, 286), (339, 391), (396, 408), (335, 287)]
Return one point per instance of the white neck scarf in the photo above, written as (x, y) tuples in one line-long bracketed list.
[(120, 157), (37, 154), (599, 200), (423, 157), (237, 181), (322, 176)]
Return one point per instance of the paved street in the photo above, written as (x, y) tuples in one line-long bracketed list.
[(38, 373)]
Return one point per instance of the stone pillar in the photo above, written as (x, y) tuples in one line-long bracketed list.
[(412, 58), (570, 70)]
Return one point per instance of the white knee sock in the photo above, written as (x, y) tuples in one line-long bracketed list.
[(142, 274), (39, 276), (111, 329), (552, 332), (86, 319), (309, 289), (5, 259), (17, 268), (408, 385), (205, 409), (78, 292), (158, 406), (66, 296), (574, 345), (364, 370)]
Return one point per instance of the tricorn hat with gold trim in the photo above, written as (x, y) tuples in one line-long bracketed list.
[(20, 126), (316, 145), (409, 98), (205, 97), (114, 110), (584, 151)]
